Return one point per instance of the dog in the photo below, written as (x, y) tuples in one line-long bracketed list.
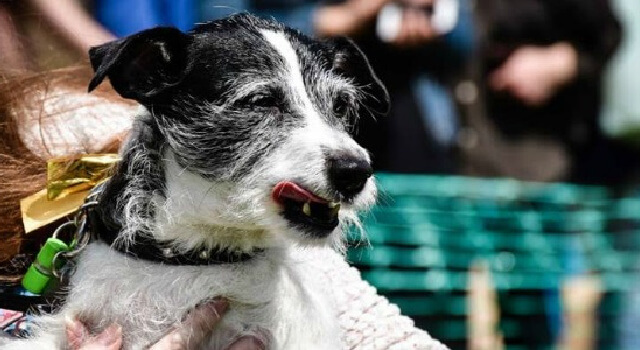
[(240, 159)]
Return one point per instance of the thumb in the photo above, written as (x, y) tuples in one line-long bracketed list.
[(76, 333), (109, 339), (195, 328), (248, 343), (79, 339)]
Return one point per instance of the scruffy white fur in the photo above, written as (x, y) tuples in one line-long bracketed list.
[(274, 292)]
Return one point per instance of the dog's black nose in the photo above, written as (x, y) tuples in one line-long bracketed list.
[(348, 174)]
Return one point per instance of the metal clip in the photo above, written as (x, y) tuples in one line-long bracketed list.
[(81, 235)]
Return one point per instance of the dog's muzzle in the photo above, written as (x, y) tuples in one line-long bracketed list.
[(315, 215), (306, 210), (348, 175)]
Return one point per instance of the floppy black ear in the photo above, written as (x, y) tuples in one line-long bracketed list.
[(351, 62), (143, 65)]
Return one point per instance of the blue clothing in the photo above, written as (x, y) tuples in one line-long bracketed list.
[(299, 17), (462, 37), (126, 17), (216, 9), (295, 13), (436, 107)]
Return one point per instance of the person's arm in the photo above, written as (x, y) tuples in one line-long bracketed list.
[(12, 55), (534, 74), (73, 23)]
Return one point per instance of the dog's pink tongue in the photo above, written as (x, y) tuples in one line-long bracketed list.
[(290, 190)]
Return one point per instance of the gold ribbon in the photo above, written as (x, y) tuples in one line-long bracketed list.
[(67, 175), (69, 180)]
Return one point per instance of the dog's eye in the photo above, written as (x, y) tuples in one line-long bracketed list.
[(257, 100), (341, 107), (265, 101), (271, 100)]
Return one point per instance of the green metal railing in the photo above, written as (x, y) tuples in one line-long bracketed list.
[(426, 231)]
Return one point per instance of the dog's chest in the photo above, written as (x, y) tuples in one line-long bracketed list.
[(280, 295)]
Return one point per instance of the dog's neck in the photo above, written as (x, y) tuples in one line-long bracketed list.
[(197, 211), (126, 206), (138, 204)]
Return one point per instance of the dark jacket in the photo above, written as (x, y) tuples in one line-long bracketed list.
[(588, 25), (569, 120)]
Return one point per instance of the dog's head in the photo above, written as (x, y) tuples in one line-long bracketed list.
[(256, 121)]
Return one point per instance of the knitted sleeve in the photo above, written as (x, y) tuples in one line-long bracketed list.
[(369, 321)]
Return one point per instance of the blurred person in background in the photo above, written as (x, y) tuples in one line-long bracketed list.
[(416, 47), (620, 120), (532, 112), (11, 50), (418, 61), (79, 26), (112, 18), (43, 34), (540, 74)]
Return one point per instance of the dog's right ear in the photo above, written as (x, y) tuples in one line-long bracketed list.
[(351, 62), (144, 65)]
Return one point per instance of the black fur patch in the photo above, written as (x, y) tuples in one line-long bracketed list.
[(142, 156)]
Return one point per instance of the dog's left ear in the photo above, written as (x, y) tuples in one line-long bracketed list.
[(143, 65), (350, 61)]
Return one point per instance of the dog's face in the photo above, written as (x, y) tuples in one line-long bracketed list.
[(257, 121)]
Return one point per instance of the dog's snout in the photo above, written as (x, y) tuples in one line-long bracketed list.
[(349, 174)]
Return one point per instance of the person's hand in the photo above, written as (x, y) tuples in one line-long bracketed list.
[(348, 18), (189, 334), (418, 3), (415, 28), (534, 74), (363, 10), (79, 339)]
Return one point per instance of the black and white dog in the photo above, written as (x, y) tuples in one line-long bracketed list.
[(240, 158)]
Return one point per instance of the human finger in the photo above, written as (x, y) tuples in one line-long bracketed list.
[(196, 327), (78, 337), (406, 35), (76, 333), (414, 26), (248, 343), (425, 31)]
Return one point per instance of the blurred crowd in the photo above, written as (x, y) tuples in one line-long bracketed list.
[(540, 90)]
